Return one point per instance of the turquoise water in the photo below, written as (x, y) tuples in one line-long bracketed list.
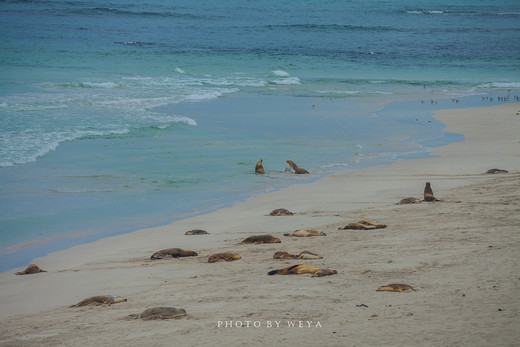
[(112, 112)]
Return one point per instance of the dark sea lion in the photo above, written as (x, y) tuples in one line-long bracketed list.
[(281, 212), (227, 256), (410, 200), (196, 232), (297, 170), (159, 313), (295, 270), (428, 193), (309, 255), (31, 269), (261, 239), (324, 272), (259, 169), (496, 171), (363, 225), (101, 300), (174, 252), (307, 232), (395, 287), (284, 255)]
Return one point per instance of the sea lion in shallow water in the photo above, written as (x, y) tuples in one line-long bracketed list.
[(227, 256), (259, 169), (324, 272), (395, 287), (496, 171), (297, 170), (196, 232), (31, 269), (159, 313), (101, 300), (281, 212), (363, 225), (307, 232), (173, 252), (428, 193), (261, 239), (410, 200), (295, 270)]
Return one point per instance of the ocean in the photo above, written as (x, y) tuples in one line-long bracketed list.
[(121, 115)]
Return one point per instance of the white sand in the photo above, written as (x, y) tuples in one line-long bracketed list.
[(461, 254)]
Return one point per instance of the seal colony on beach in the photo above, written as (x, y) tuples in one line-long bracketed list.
[(227, 256), (395, 287), (261, 239), (173, 252), (31, 269), (159, 313), (297, 170), (259, 169), (101, 300), (280, 212)]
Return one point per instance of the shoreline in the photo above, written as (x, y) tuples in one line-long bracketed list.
[(240, 290)]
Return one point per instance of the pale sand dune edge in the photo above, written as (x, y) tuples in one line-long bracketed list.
[(460, 254)]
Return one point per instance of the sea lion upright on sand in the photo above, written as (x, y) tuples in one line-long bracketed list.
[(259, 169), (297, 170), (101, 300), (428, 193), (31, 269), (173, 252)]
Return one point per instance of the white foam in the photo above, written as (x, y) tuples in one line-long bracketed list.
[(179, 70), (287, 81), (280, 73)]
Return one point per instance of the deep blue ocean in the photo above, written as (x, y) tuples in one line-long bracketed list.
[(120, 115)]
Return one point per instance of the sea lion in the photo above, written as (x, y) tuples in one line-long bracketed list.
[(306, 233), (284, 255), (196, 232), (174, 252), (496, 171), (297, 170), (428, 193), (395, 287), (363, 225), (261, 239), (410, 200), (101, 300), (259, 169), (294, 270), (227, 256), (31, 269), (159, 313), (309, 255), (281, 212), (324, 272)]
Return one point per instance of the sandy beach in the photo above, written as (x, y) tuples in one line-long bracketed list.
[(461, 255)]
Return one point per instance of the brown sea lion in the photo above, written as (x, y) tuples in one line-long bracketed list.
[(295, 270), (284, 255), (259, 169), (31, 269), (309, 255), (174, 252), (261, 239), (428, 193), (281, 212), (297, 170), (363, 225), (159, 313), (410, 200), (496, 171), (306, 233), (227, 256), (324, 272), (101, 300), (395, 287), (196, 232)]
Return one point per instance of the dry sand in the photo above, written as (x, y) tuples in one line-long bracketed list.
[(461, 255)]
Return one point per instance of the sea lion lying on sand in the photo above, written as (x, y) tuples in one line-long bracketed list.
[(261, 239), (31, 269), (297, 170), (496, 171), (363, 225), (410, 200), (196, 232), (324, 272), (173, 252), (227, 256), (101, 300), (306, 233), (428, 193), (295, 270), (302, 255), (259, 169), (395, 287), (281, 212), (159, 313)]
